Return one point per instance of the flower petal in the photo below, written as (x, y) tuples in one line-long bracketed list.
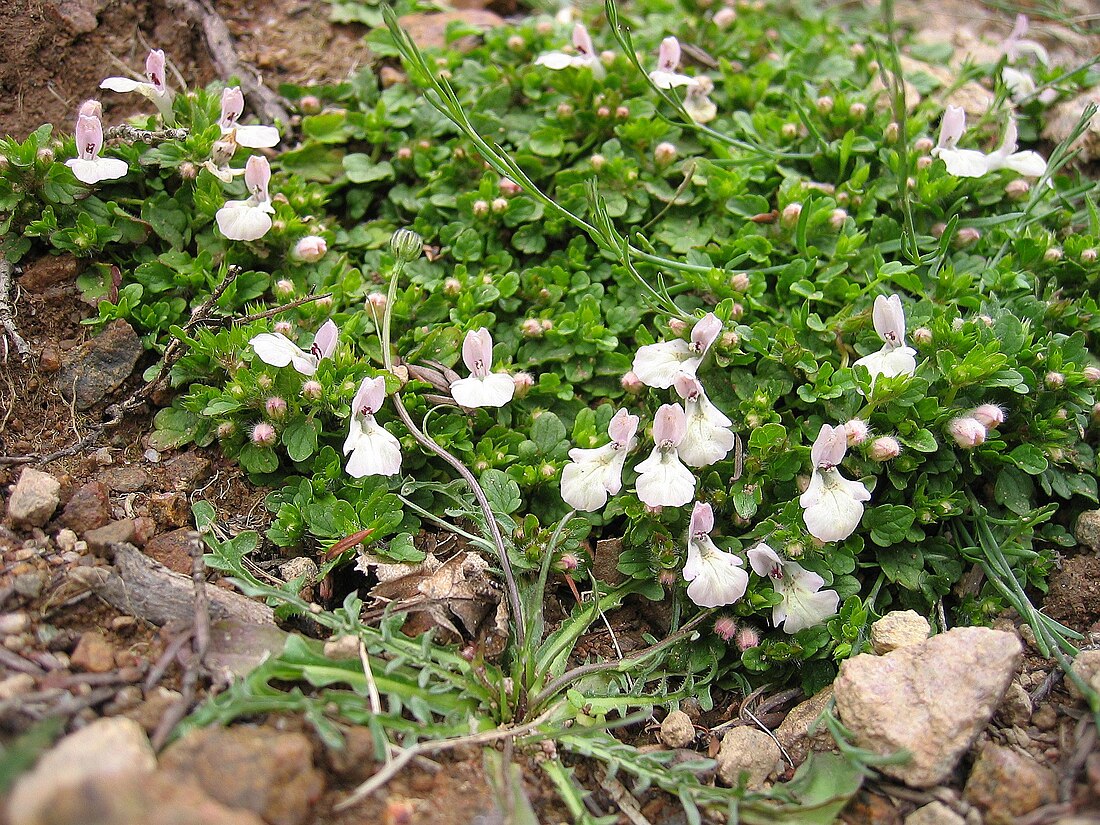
[(93, 171), (122, 84), (832, 505), (657, 365), (276, 349), (241, 221), (494, 390), (257, 137), (663, 481), (374, 450)]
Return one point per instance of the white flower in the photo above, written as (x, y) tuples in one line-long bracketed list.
[(708, 437), (697, 101), (1017, 45), (88, 166), (804, 603), (585, 57), (249, 219), (276, 349), (254, 137), (894, 358), (663, 480), (668, 58), (482, 388), (970, 163), (657, 365), (221, 153), (716, 576), (594, 474), (156, 89), (374, 450), (832, 505)]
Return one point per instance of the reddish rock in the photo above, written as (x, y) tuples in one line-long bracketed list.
[(1005, 785), (170, 509), (98, 367), (93, 654), (49, 271), (126, 479), (185, 471), (173, 549), (88, 509)]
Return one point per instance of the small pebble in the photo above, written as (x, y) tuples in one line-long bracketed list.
[(1045, 718), (66, 539), (123, 624), (16, 685), (677, 731), (12, 623), (103, 457), (152, 456)]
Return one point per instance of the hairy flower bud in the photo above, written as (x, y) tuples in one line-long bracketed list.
[(227, 429), (452, 287), (724, 17), (789, 131), (509, 188), (824, 104), (1088, 256), (1091, 374), (966, 236), (516, 43), (275, 407), (747, 638), (565, 110), (631, 383), (310, 249), (858, 110), (309, 104), (664, 153), (603, 112), (523, 382), (968, 432), (892, 132), (739, 282), (263, 434), (884, 448), (376, 300), (725, 628), (598, 161), (1052, 255), (284, 288), (188, 170), (1017, 189), (531, 328), (499, 205), (284, 328), (678, 326), (324, 302), (481, 208), (989, 416), (729, 339), (837, 218), (856, 431), (923, 145), (1054, 380), (791, 213), (406, 245), (922, 336), (312, 389)]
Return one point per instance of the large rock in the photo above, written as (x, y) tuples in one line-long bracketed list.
[(35, 497), (794, 732), (1005, 785), (88, 509), (109, 747), (138, 799), (746, 749), (930, 699), (1087, 529), (257, 769), (99, 366)]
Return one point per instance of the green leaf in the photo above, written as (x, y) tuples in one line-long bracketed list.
[(361, 169), (256, 459), (889, 523), (548, 433), (1029, 458), (300, 438), (902, 565), (502, 492)]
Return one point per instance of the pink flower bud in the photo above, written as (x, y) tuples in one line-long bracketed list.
[(312, 390), (603, 112), (664, 153), (989, 416), (966, 236), (547, 324), (1054, 380), (631, 383), (922, 336), (747, 637), (565, 110), (724, 18), (452, 287), (607, 57), (499, 205), (837, 218), (730, 339), (598, 161), (968, 432), (263, 434), (667, 578), (284, 288), (725, 628), (923, 145), (858, 110), (523, 382), (481, 208), (311, 249), (188, 170), (1017, 189), (892, 132), (791, 213), (509, 188), (1091, 374), (740, 282), (622, 112), (924, 162), (309, 104), (857, 50), (404, 153), (789, 131), (544, 27), (1052, 255), (856, 431), (324, 302), (284, 328), (531, 328), (377, 300), (884, 448), (275, 407), (824, 104), (569, 562), (516, 43), (1088, 256), (678, 326)]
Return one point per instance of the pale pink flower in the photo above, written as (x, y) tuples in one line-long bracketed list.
[(483, 388), (894, 358), (804, 604), (716, 577), (374, 450), (594, 474), (708, 438), (832, 505), (88, 166), (156, 89), (658, 365), (250, 219), (663, 480), (276, 349), (253, 137)]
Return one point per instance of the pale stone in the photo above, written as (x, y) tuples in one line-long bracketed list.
[(677, 731), (34, 499), (898, 629), (743, 750), (934, 813), (794, 732), (1087, 667)]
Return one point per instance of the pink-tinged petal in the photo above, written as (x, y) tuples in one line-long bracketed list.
[(706, 332), (493, 390), (277, 350), (89, 137), (623, 428), (702, 519), (100, 169), (668, 55), (371, 394), (257, 137), (657, 365), (802, 609), (1009, 143), (717, 578), (326, 339), (374, 450), (663, 481), (154, 69), (582, 41), (583, 484), (835, 509), (687, 386), (829, 447), (555, 60), (1028, 164), (241, 221), (477, 352), (952, 127), (669, 425), (964, 163), (232, 107), (764, 560), (888, 316), (121, 84), (257, 175), (708, 438), (671, 80), (90, 108)]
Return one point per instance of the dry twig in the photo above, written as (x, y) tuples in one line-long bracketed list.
[(7, 314)]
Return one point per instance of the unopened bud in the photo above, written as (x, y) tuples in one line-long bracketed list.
[(856, 431), (631, 383), (678, 326), (892, 132), (284, 328), (923, 145), (565, 110), (568, 561), (837, 218), (531, 328), (499, 205), (857, 50), (968, 432), (791, 213), (730, 339), (544, 27), (1017, 189), (1052, 255), (391, 76), (598, 161), (739, 282), (523, 382), (938, 229), (989, 416), (747, 638), (724, 17), (452, 287), (1054, 380), (263, 434), (966, 236), (924, 162), (1088, 256), (664, 153), (310, 249), (309, 104), (227, 429), (607, 57), (312, 389), (858, 110), (509, 188), (404, 153), (284, 288), (406, 245), (725, 628), (922, 336), (603, 112), (275, 407), (481, 208), (884, 448), (516, 43), (1091, 374), (188, 170), (824, 104), (789, 131), (377, 300)]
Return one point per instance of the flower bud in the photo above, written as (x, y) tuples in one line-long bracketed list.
[(275, 407), (312, 389), (1054, 380), (667, 578), (664, 153), (509, 188), (966, 236), (923, 145), (284, 288), (480, 208), (678, 326), (968, 432), (1017, 189), (516, 43), (884, 448), (1091, 374), (452, 287), (310, 249), (284, 328), (789, 131), (264, 382), (1061, 414), (922, 336), (324, 302), (631, 383), (406, 245), (739, 282), (858, 110), (1096, 410), (376, 300), (309, 104), (565, 110), (568, 561), (1088, 256), (824, 104), (791, 213), (531, 328), (598, 161), (892, 132), (857, 50), (523, 382), (856, 431), (499, 205), (923, 163), (544, 27), (989, 416), (188, 170), (1052, 255), (227, 429), (263, 434), (603, 112), (725, 628), (747, 637), (724, 18), (729, 339), (837, 218), (404, 153), (607, 57)]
